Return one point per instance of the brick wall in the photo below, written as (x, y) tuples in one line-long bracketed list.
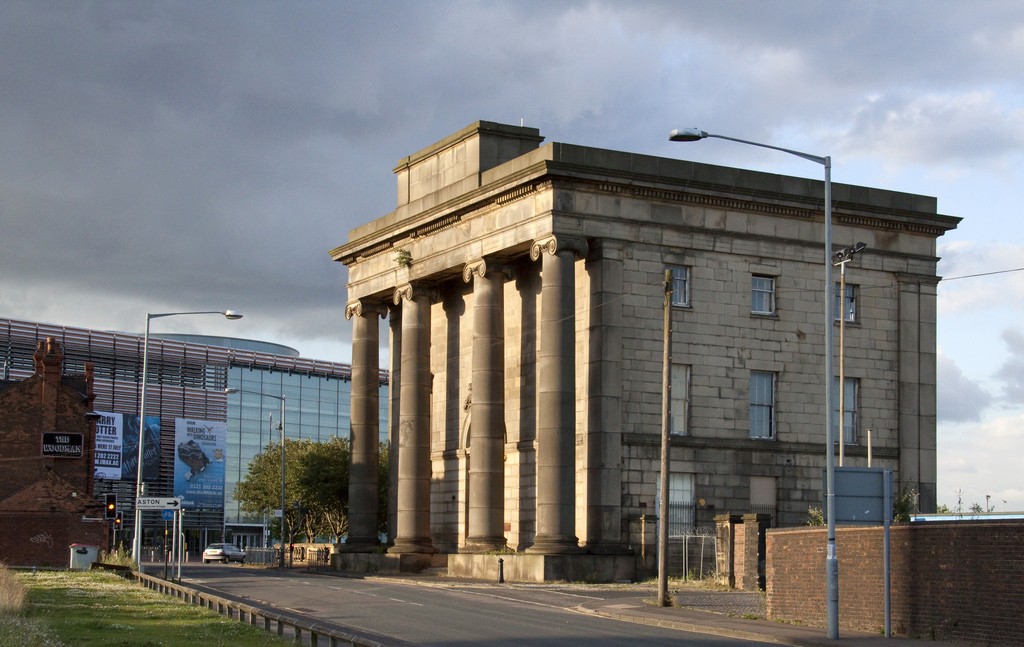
[(39, 539), (959, 580), (45, 502)]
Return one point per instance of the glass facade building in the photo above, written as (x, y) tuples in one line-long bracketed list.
[(240, 382)]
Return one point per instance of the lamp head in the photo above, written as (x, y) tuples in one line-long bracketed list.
[(686, 135), (231, 390), (232, 315)]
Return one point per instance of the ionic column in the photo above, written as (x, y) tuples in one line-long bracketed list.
[(364, 418), (486, 521), (412, 531), (556, 396)]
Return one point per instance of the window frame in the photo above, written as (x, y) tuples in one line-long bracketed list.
[(851, 408), (839, 300), (765, 294), (758, 405), (679, 399), (681, 277)]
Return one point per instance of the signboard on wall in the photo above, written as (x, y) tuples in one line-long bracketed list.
[(199, 452), (62, 445)]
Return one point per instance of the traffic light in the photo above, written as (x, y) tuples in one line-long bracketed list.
[(110, 508), (118, 520)]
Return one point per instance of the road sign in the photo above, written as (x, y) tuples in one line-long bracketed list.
[(157, 503), (168, 515)]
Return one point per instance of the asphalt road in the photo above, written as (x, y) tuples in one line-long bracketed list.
[(409, 612)]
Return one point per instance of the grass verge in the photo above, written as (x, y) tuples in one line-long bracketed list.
[(98, 608)]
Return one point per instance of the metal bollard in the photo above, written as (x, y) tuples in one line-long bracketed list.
[(501, 571)]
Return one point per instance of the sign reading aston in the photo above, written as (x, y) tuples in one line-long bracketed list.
[(157, 503), (62, 445)]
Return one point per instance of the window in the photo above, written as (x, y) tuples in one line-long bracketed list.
[(762, 295), (680, 286), (762, 404), (680, 400), (680, 502), (846, 306), (851, 387)]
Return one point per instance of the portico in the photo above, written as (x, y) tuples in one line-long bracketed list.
[(522, 287)]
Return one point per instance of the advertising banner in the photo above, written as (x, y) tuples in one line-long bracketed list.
[(130, 448), (199, 463), (107, 456)]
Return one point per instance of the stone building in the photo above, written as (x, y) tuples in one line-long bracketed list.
[(46, 453), (523, 286)]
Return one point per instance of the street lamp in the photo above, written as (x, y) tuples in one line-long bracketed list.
[(284, 400), (831, 559), (137, 538), (841, 258)]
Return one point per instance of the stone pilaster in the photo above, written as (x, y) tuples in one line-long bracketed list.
[(917, 387), (412, 531), (604, 402), (556, 396), (365, 426), (485, 522)]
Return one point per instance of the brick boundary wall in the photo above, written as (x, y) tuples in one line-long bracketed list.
[(956, 580)]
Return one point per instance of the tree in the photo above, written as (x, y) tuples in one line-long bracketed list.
[(260, 491), (316, 487), (323, 488)]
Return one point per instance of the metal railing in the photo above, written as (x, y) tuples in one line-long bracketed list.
[(303, 631)]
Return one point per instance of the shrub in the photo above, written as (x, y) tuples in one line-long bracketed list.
[(12, 592)]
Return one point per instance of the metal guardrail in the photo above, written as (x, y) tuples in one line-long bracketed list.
[(303, 632)]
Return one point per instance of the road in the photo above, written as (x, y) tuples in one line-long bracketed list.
[(404, 612)]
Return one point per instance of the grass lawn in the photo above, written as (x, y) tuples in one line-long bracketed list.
[(100, 608)]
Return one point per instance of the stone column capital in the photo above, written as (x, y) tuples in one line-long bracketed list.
[(364, 307), (553, 244), (482, 267), (411, 291)]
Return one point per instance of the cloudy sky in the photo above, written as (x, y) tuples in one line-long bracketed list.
[(168, 156)]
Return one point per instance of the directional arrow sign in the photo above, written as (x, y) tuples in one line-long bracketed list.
[(157, 503)]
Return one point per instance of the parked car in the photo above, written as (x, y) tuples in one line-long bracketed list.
[(223, 553)]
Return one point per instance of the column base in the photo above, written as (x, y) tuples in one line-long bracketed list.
[(555, 545), (421, 545), (359, 545), (484, 545)]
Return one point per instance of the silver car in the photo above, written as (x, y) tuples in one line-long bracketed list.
[(223, 553)]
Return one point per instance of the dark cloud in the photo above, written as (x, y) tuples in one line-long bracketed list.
[(215, 151), (958, 399), (1011, 373)]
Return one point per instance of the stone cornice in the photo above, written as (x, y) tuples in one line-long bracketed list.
[(546, 174)]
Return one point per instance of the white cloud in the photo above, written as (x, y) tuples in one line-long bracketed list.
[(983, 459)]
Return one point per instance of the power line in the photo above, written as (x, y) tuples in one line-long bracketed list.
[(972, 276)]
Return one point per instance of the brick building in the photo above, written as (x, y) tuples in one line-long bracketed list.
[(46, 445), (523, 287)]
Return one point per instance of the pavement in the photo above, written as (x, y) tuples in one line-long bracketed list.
[(725, 613), (734, 614)]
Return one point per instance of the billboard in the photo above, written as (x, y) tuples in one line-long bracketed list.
[(199, 447), (117, 447), (130, 448), (107, 456)]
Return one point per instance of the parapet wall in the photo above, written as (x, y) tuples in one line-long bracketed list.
[(957, 580)]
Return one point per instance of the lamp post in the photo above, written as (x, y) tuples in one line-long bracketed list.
[(284, 399), (831, 559), (137, 530), (841, 258)]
